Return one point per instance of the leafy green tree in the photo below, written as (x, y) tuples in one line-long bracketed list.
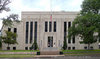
[(35, 45), (9, 38), (64, 44), (86, 25)]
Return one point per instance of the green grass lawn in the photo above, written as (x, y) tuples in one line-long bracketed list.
[(81, 52), (16, 55), (78, 50), (19, 50)]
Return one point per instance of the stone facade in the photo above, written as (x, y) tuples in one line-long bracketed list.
[(38, 20)]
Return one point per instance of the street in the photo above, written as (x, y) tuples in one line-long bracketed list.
[(65, 57)]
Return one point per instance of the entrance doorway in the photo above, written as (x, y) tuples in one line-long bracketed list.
[(50, 41)]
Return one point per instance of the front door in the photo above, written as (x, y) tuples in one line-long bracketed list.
[(50, 41)]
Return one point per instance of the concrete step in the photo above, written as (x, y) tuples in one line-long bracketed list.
[(49, 52)]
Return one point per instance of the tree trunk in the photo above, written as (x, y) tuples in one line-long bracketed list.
[(88, 46), (8, 48)]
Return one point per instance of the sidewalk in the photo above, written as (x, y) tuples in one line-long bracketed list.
[(39, 56)]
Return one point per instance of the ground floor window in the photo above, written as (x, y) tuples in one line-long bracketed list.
[(73, 48), (91, 48), (8, 48), (85, 48), (14, 48), (69, 48), (30, 48), (99, 46), (26, 48)]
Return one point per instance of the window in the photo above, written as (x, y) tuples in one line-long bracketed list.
[(31, 32), (65, 27), (54, 26), (85, 48), (27, 25), (69, 40), (99, 46), (69, 24), (14, 48), (73, 48), (46, 26), (30, 48), (50, 26), (26, 48), (65, 30), (91, 48), (69, 48), (35, 32), (15, 30), (73, 39), (9, 29), (8, 48)]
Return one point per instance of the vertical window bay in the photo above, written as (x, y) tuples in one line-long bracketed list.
[(27, 25), (50, 26), (35, 32), (46, 26), (31, 32), (55, 26)]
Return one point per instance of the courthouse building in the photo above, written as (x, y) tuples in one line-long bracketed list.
[(48, 30)]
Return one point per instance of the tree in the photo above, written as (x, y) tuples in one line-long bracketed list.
[(3, 5), (9, 38), (86, 25), (35, 45), (9, 19), (64, 44)]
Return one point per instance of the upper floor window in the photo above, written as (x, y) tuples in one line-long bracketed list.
[(35, 32), (27, 26), (73, 39), (31, 32), (65, 27), (50, 26), (15, 30), (69, 24), (54, 26), (46, 26), (9, 29)]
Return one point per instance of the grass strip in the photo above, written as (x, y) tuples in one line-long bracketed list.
[(15, 55), (19, 50)]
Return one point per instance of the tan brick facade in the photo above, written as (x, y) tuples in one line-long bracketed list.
[(42, 36)]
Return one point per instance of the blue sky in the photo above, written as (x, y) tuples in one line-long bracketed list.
[(17, 6)]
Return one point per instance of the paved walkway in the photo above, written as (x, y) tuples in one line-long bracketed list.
[(46, 56)]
